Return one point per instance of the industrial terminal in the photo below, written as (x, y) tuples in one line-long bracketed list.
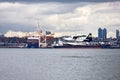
[(46, 39)]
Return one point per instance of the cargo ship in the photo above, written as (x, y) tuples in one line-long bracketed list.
[(81, 41), (33, 42), (44, 41)]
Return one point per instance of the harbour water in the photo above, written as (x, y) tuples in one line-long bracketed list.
[(59, 64)]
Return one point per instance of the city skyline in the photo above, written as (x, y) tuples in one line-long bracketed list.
[(102, 33), (61, 17)]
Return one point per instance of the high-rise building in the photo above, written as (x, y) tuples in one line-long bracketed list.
[(102, 33), (117, 34)]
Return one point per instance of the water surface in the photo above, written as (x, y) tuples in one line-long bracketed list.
[(59, 64)]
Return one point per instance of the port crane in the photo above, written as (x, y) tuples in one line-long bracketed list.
[(42, 36)]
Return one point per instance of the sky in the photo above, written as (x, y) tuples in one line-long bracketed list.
[(63, 17)]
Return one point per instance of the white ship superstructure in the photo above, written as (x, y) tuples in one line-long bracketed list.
[(80, 41)]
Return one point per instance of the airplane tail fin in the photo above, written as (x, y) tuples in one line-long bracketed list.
[(89, 38)]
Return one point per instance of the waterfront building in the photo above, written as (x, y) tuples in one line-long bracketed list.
[(117, 34), (100, 31), (104, 33)]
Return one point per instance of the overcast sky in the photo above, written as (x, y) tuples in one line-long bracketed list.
[(60, 16)]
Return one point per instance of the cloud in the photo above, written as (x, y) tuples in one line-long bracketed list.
[(63, 1), (62, 18)]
